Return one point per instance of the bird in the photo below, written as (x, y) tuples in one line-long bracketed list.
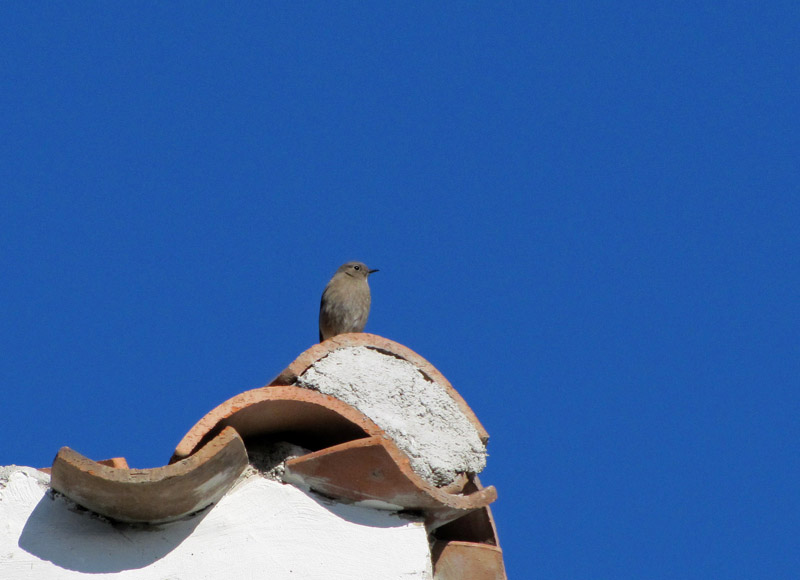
[(345, 301)]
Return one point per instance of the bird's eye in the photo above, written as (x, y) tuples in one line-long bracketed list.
[(356, 267)]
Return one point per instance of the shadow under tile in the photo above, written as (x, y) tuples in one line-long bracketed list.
[(77, 539)]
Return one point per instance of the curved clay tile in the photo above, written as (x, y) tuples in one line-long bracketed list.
[(468, 547), (460, 560), (477, 526), (375, 470), (157, 495), (319, 351), (355, 459), (314, 419), (118, 462)]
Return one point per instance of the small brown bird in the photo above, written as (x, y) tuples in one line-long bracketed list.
[(345, 301)]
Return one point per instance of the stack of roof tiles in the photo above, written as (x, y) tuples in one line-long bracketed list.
[(348, 457)]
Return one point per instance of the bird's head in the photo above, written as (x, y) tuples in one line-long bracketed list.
[(355, 270)]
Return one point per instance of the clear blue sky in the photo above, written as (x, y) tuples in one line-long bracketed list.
[(585, 214)]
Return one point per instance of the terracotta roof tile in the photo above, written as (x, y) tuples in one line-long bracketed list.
[(315, 419), (155, 495), (467, 560)]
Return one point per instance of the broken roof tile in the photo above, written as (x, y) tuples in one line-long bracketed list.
[(374, 470), (157, 495)]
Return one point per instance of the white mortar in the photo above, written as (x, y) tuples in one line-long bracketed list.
[(418, 414)]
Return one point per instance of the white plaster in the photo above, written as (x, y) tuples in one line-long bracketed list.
[(296, 480), (378, 504), (260, 529), (417, 413)]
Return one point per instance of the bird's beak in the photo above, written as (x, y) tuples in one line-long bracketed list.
[(373, 271)]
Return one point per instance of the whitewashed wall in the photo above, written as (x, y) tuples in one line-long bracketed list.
[(260, 529)]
